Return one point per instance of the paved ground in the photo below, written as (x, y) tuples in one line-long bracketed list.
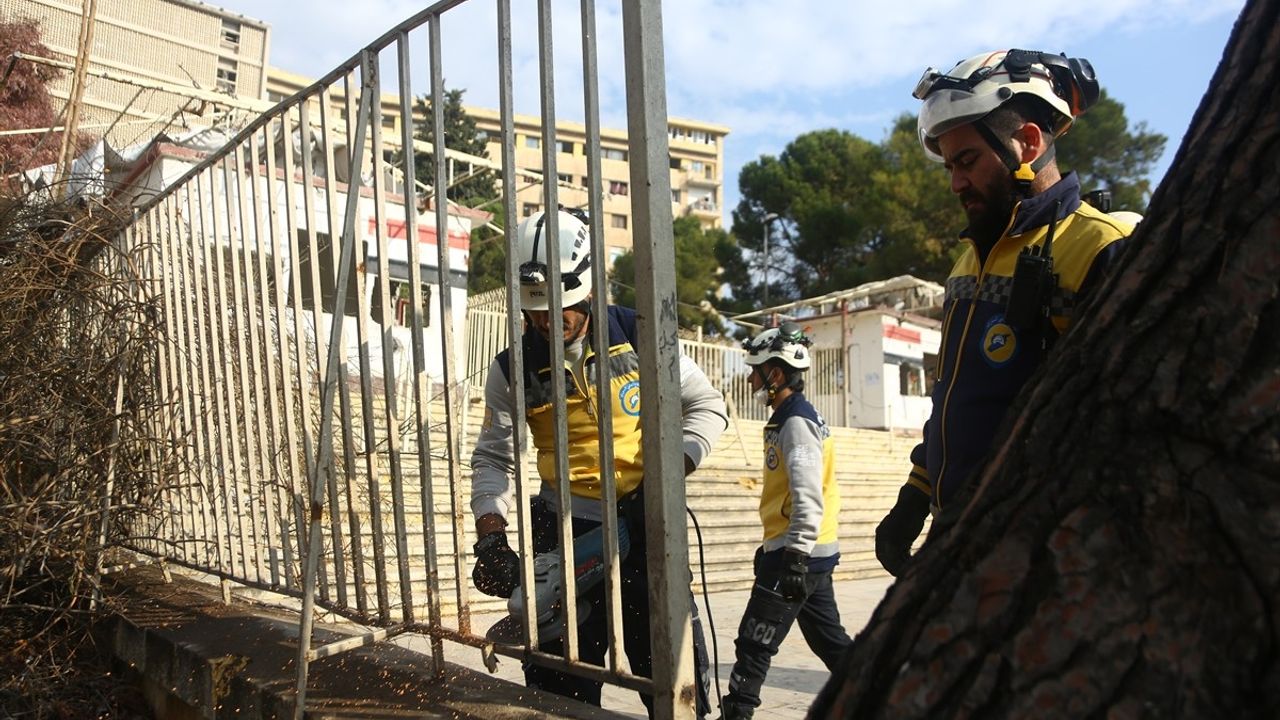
[(797, 674)]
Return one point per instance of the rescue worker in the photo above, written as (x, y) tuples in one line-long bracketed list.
[(799, 511), (497, 569), (1033, 252)]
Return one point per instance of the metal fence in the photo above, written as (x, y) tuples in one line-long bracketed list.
[(723, 361), (317, 402)]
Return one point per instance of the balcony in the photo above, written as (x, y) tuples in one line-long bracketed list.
[(704, 206)]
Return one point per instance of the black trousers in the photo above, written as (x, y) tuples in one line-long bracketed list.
[(765, 624), (593, 632)]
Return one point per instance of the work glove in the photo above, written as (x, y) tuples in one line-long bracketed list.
[(497, 570), (790, 580), (900, 528)]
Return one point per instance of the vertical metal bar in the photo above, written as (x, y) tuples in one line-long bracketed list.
[(421, 393), (391, 411), (356, 146), (197, 389), (292, 488), (600, 332), (257, 341), (284, 460), (243, 329), (339, 341), (659, 360), (176, 401), (452, 431), (233, 373), (320, 347), (550, 145), (515, 322), (119, 275), (191, 444), (155, 296), (672, 638), (324, 459), (212, 314)]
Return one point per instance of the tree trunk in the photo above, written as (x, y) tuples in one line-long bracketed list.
[(1120, 555)]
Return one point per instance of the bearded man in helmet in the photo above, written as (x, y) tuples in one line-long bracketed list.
[(799, 512), (497, 569), (1033, 252)]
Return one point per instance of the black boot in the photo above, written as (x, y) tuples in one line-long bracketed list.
[(733, 711)]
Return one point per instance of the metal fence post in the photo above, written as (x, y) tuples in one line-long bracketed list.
[(672, 636)]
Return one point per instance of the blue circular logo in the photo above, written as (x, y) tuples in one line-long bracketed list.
[(771, 458), (999, 342), (629, 398)]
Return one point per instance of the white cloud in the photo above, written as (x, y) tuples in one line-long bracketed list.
[(766, 69)]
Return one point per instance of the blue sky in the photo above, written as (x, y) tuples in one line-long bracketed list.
[(772, 70)]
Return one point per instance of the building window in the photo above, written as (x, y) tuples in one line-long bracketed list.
[(675, 196), (709, 172), (566, 147), (911, 380), (403, 300), (565, 178), (613, 154), (227, 71), (930, 372), (615, 253), (675, 163), (697, 167), (617, 187), (618, 221), (529, 209), (230, 34), (532, 141)]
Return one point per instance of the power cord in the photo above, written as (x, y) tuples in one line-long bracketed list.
[(706, 602)]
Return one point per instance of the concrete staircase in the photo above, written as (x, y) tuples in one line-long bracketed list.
[(724, 495)]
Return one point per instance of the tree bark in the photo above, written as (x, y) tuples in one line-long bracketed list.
[(1120, 554)]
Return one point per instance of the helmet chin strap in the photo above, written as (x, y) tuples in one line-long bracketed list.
[(1023, 173)]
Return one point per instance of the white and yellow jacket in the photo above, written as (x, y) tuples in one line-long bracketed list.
[(800, 501), (493, 461)]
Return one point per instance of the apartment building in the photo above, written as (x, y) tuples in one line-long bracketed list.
[(697, 170), (144, 54), (696, 148)]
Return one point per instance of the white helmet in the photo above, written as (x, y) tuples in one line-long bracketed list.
[(575, 260), (984, 82), (786, 343)]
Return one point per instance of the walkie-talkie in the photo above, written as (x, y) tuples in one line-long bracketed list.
[(1033, 283)]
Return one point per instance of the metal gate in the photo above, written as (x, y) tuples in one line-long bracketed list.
[(320, 427)]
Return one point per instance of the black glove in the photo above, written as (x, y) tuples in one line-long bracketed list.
[(790, 581), (900, 528), (497, 570)]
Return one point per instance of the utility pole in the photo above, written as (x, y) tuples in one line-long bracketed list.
[(765, 222), (88, 12)]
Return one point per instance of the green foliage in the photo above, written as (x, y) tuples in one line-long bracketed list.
[(697, 274), (487, 263), (921, 220), (460, 134), (818, 186), (486, 266), (1107, 155)]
